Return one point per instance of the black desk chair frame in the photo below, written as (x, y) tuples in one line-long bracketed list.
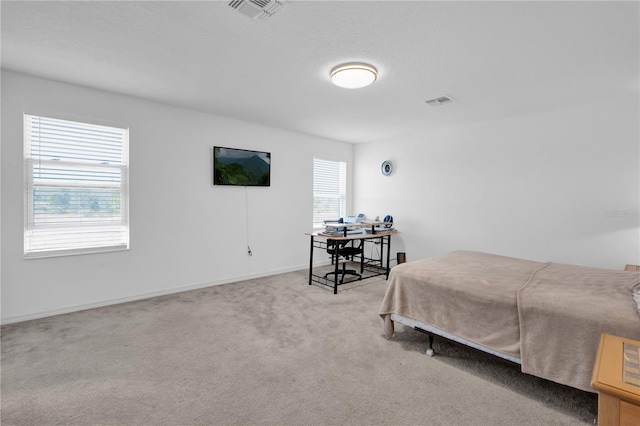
[(347, 251)]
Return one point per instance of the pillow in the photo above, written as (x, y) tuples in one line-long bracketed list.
[(636, 296)]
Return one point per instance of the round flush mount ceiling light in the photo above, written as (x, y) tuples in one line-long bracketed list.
[(353, 75)]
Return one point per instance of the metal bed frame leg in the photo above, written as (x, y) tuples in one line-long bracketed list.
[(429, 351)]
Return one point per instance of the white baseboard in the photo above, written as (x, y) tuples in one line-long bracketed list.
[(76, 308)]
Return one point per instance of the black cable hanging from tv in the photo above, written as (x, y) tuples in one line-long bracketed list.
[(246, 205)]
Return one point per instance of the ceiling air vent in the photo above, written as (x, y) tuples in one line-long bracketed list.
[(440, 100), (257, 9)]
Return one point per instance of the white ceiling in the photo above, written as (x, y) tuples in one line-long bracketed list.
[(495, 59)]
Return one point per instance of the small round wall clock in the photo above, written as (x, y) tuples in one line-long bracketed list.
[(386, 168)]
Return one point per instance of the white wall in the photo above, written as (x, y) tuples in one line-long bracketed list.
[(185, 232), (557, 186), (562, 185)]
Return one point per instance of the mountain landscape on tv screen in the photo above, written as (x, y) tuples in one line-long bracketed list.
[(241, 170)]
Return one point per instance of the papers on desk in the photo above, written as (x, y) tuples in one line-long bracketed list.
[(361, 227), (341, 225)]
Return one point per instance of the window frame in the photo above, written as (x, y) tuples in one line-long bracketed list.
[(342, 195), (33, 231)]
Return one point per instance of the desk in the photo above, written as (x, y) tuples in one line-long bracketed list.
[(374, 267)]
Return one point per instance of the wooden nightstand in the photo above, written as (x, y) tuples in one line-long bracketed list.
[(632, 268), (616, 377)]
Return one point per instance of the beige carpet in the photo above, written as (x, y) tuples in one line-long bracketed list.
[(265, 351)]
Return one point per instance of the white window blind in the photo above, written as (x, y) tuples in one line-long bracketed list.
[(329, 190), (76, 187)]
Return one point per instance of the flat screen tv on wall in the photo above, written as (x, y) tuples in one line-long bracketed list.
[(241, 167)]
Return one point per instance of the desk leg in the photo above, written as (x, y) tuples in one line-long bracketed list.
[(335, 276), (388, 253), (311, 260), (381, 252)]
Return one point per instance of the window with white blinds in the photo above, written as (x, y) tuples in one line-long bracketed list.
[(76, 187), (329, 190)]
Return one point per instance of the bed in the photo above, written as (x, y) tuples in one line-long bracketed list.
[(547, 317)]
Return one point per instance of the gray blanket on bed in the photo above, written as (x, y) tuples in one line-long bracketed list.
[(548, 315)]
